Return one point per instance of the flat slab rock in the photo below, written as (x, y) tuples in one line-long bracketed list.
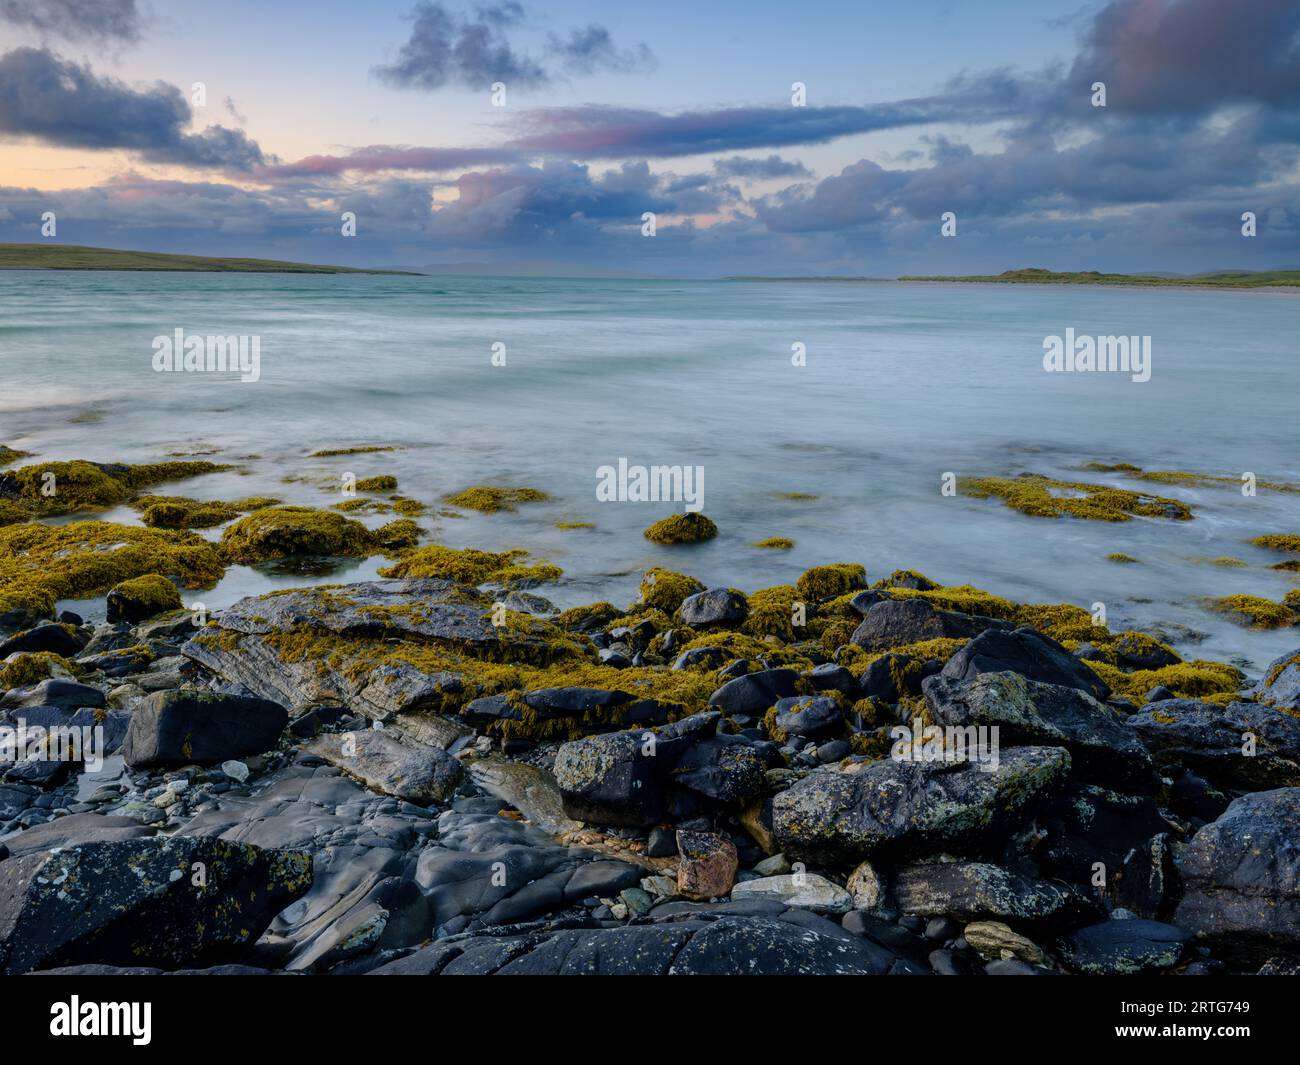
[(418, 774), (728, 946), (426, 611)]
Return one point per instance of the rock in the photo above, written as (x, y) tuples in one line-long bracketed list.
[(725, 770), (1210, 739), (995, 940), (236, 771), (881, 679), (830, 677), (754, 693), (1114, 948), (807, 891), (897, 622), (244, 647), (119, 663), (865, 887), (761, 945), (1280, 685), (911, 807), (611, 779), (717, 606), (139, 902), (809, 716), (200, 727), (1028, 653), (528, 789), (1241, 877), (420, 775), (774, 865), (48, 636), (142, 597), (54, 692), (661, 843), (707, 865), (1133, 650), (1024, 711), (1128, 835), (978, 891)]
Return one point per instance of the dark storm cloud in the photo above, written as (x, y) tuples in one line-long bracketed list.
[(66, 104), (75, 20), (1186, 56)]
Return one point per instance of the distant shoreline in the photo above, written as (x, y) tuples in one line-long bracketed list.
[(1275, 280), (81, 257)]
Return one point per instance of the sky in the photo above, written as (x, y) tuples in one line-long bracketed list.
[(249, 128)]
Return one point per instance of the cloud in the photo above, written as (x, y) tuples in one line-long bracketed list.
[(591, 50), (76, 20), (474, 52), (379, 157), (1187, 56), (66, 104), (592, 132), (740, 166), (445, 49)]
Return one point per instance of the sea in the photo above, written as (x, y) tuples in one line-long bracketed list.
[(832, 413)]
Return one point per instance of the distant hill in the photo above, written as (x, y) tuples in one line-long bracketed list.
[(1223, 279), (75, 257)]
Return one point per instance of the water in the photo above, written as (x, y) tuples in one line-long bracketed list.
[(902, 383)]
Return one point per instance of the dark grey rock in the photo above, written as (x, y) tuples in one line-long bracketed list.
[(1210, 739), (896, 622), (201, 727), (755, 693), (912, 808), (1121, 948), (1028, 653), (809, 716), (1241, 877), (717, 606)]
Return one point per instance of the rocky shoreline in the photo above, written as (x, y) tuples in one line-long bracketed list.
[(423, 775)]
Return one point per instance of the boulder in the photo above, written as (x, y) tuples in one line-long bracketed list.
[(1211, 739), (717, 606), (896, 622), (1280, 685), (55, 692), (1241, 877), (1027, 711), (1028, 653), (611, 779), (48, 636), (906, 808), (812, 717), (201, 727), (978, 891), (421, 775), (160, 901), (1123, 947), (754, 693)]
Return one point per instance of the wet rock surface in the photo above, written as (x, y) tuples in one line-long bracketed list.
[(380, 778)]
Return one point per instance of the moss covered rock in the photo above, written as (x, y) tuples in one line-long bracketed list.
[(278, 532), (52, 488), (471, 566), (827, 582), (665, 590), (1044, 497), (689, 528), (142, 597), (41, 564), (489, 499)]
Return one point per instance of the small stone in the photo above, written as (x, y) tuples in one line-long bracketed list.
[(235, 770), (664, 887), (707, 866), (619, 911), (773, 866), (865, 887), (807, 891), (661, 843), (990, 939)]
